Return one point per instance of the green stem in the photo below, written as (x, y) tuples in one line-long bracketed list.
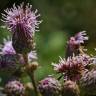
[(31, 74), (33, 82)]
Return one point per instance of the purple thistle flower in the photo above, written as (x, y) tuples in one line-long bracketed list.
[(73, 67), (15, 88), (23, 19), (78, 38), (22, 22), (81, 37), (75, 42)]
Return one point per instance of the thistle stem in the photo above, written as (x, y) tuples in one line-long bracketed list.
[(33, 82), (31, 74), (25, 56)]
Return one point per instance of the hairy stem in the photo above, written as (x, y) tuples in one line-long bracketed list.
[(31, 74), (33, 82)]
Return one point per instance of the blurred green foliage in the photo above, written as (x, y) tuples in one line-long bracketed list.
[(61, 18)]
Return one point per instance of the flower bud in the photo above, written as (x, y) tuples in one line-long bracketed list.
[(33, 66), (70, 88), (14, 88), (49, 87)]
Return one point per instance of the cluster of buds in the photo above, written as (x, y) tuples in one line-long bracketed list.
[(49, 87), (73, 67)]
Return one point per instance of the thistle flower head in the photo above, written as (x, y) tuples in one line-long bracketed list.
[(8, 64), (72, 68), (22, 20), (49, 87), (74, 44), (6, 47), (15, 88), (81, 37), (78, 38)]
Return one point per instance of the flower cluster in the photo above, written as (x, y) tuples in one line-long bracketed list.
[(73, 67), (18, 56)]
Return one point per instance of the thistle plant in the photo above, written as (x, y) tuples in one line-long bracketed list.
[(22, 22), (18, 55)]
